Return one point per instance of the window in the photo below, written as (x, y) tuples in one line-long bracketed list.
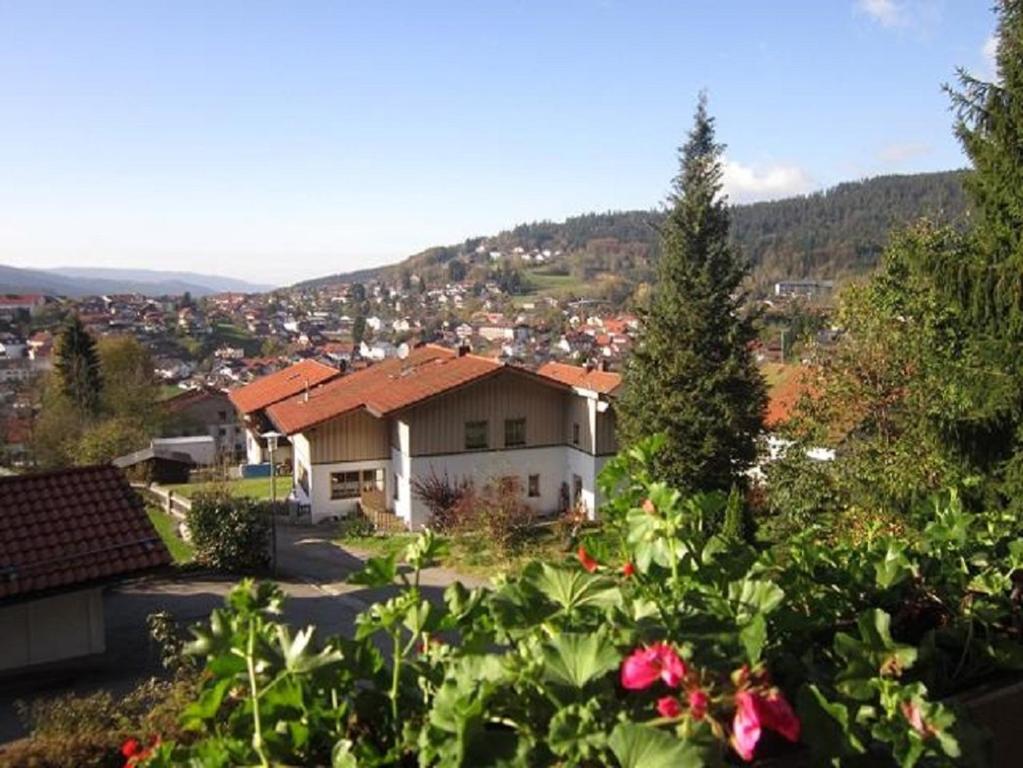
[(372, 480), (534, 486), (344, 485), (303, 478), (514, 432), (476, 436), (575, 433), (222, 415), (577, 489)]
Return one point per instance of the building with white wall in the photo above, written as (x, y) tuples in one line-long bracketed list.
[(374, 432)]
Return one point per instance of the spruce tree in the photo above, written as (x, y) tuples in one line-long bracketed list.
[(986, 287), (77, 367), (692, 376)]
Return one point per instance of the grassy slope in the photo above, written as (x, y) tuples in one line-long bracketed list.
[(166, 526)]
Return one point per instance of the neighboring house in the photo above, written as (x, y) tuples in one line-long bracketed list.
[(207, 411), (437, 412), (254, 398), (63, 537)]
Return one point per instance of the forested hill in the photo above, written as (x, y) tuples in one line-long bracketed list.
[(828, 234)]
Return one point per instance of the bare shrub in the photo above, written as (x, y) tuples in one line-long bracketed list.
[(442, 497), (497, 512)]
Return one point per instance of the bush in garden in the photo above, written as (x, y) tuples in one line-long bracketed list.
[(497, 512), (681, 649), (74, 730), (230, 533), (442, 496)]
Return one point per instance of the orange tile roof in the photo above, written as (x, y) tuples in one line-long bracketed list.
[(383, 388), (782, 398), (278, 386), (603, 382), (76, 526)]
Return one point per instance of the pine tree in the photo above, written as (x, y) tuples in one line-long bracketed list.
[(692, 376), (77, 367), (987, 285), (990, 128)]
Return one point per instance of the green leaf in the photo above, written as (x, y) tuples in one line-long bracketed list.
[(640, 746), (341, 755), (571, 588), (825, 724), (753, 596), (378, 572), (894, 567), (575, 659), (753, 636)]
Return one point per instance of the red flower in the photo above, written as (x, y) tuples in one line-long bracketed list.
[(668, 706), (648, 665), (628, 570), (698, 701), (587, 562), (754, 711), (648, 507), (131, 747)]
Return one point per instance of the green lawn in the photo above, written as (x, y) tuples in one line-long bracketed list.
[(167, 526), (250, 487), (474, 555)]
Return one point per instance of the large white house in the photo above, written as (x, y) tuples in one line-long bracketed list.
[(446, 413)]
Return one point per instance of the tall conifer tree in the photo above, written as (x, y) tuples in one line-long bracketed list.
[(987, 286), (78, 369), (692, 376)]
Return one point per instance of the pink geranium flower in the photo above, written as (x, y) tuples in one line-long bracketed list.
[(652, 663), (698, 702), (755, 711), (668, 706)]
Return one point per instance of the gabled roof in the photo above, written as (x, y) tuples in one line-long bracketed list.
[(785, 394), (275, 387), (603, 382), (68, 528), (384, 388)]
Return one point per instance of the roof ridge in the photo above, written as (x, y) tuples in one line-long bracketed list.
[(79, 469)]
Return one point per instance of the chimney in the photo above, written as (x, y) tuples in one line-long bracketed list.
[(604, 365), (305, 398), (589, 366), (463, 349)]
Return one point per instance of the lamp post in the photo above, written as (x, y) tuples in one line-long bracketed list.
[(271, 443)]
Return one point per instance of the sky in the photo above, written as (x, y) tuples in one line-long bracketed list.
[(276, 141)]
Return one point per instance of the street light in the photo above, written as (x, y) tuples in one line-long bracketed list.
[(271, 443)]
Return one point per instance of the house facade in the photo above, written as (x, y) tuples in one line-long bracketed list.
[(373, 434), (207, 411)]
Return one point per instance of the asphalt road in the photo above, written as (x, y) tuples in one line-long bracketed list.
[(311, 570)]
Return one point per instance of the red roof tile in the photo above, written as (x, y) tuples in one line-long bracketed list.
[(275, 387), (60, 529), (383, 388), (784, 395), (603, 382)]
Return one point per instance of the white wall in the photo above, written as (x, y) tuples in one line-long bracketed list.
[(323, 506), (480, 467), (51, 629)]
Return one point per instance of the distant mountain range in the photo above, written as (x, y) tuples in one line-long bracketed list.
[(91, 281), (829, 234)]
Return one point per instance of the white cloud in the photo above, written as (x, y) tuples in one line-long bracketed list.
[(989, 50), (747, 183), (888, 13), (899, 152)]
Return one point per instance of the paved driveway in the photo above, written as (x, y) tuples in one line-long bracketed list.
[(311, 570)]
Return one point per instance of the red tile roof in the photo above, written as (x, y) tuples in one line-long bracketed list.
[(784, 395), (383, 388), (603, 382), (275, 387), (68, 528)]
